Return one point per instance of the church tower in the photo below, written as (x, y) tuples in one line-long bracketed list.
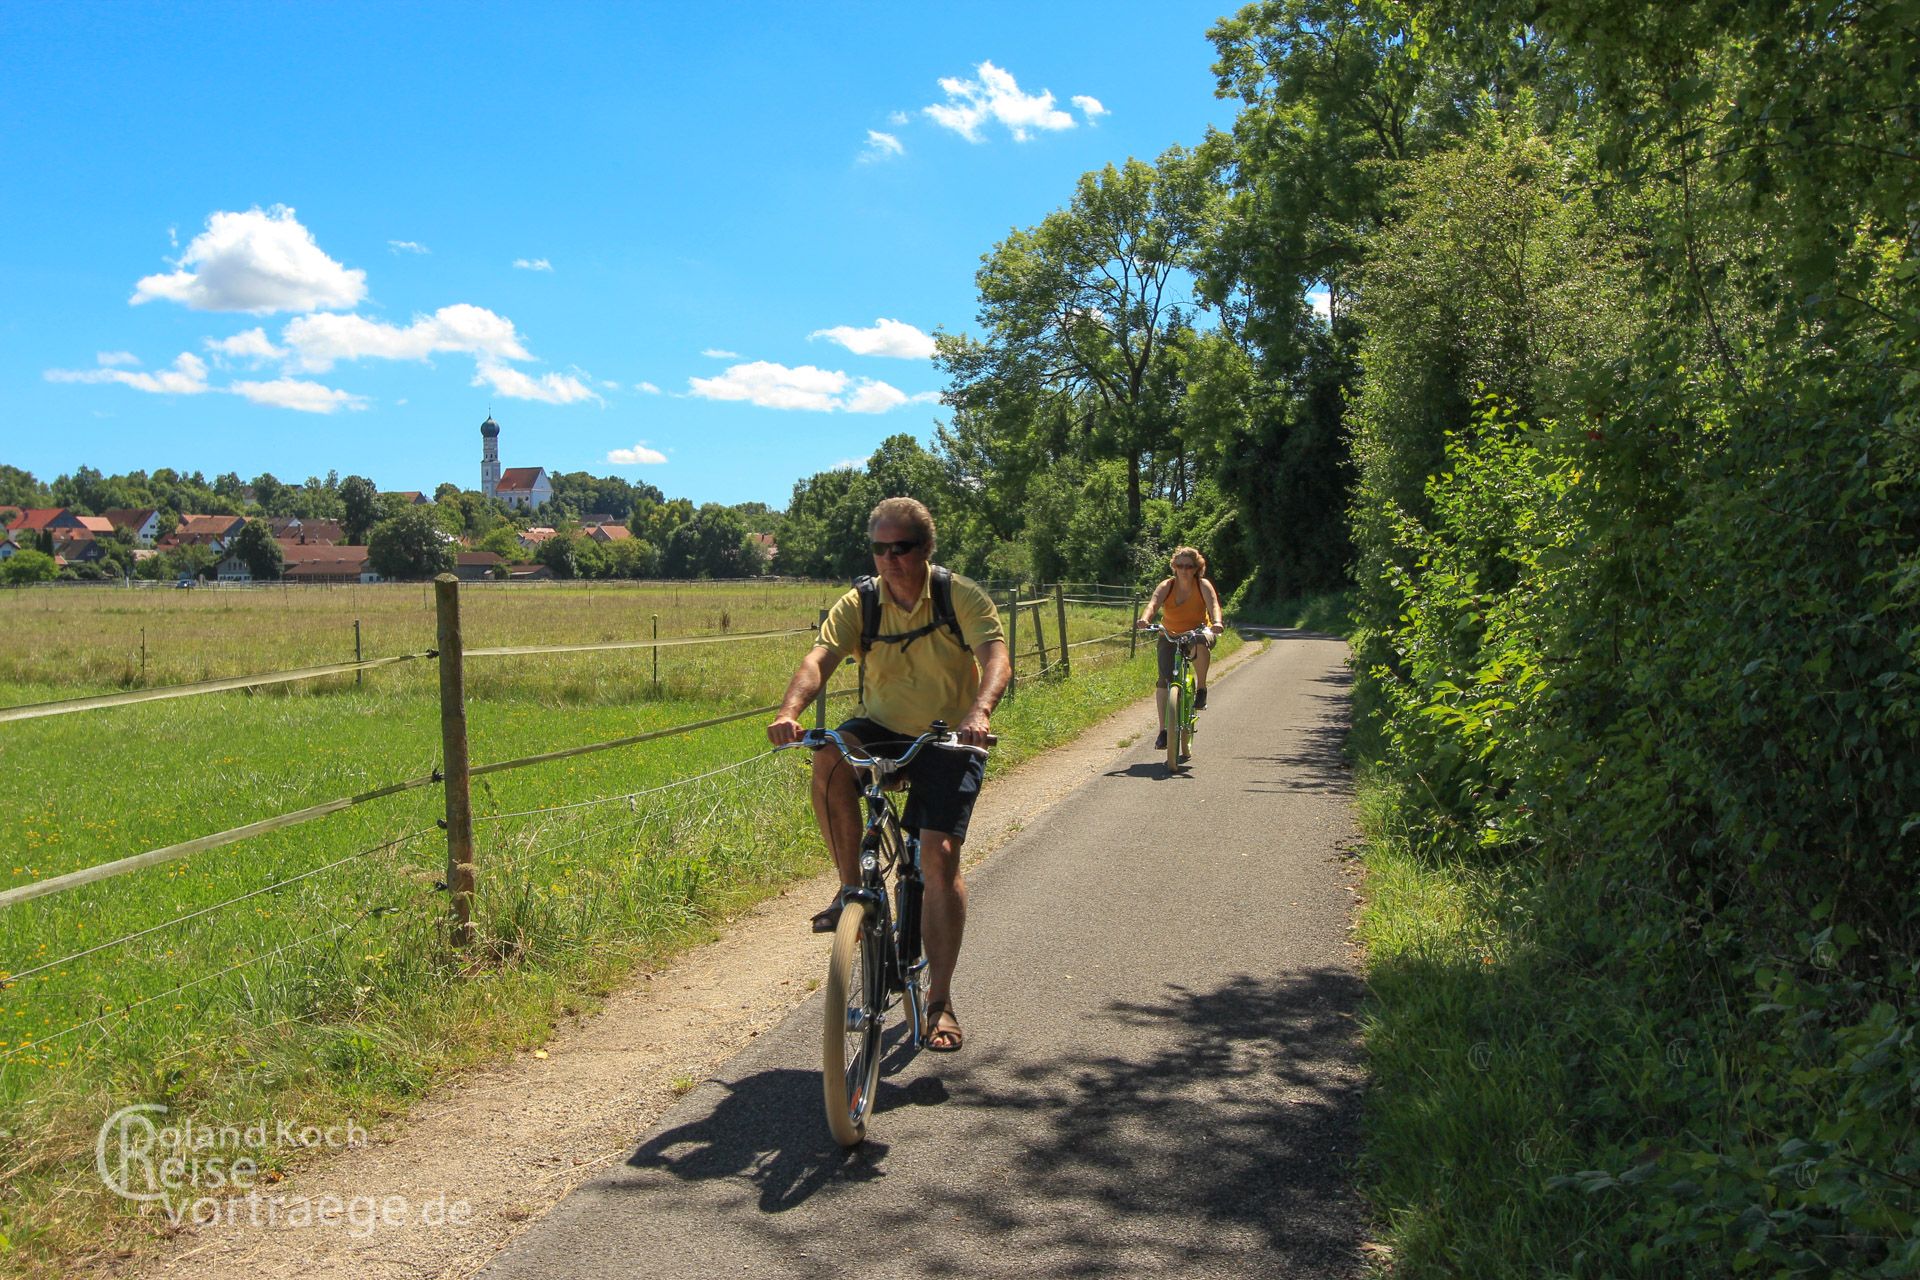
[(489, 457)]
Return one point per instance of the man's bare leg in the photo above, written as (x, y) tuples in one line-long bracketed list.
[(836, 807), (944, 922)]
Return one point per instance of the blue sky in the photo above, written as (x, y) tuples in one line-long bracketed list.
[(657, 241)]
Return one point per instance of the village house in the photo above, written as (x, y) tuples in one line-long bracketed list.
[(608, 533), (476, 566), (533, 537), (525, 487), (212, 532), (297, 532), (142, 522), (319, 562), (38, 520), (412, 497)]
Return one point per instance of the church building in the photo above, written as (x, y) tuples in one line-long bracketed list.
[(516, 486)]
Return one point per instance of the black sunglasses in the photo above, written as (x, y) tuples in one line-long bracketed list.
[(905, 547)]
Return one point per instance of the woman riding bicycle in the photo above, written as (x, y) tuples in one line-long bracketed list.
[(1189, 602)]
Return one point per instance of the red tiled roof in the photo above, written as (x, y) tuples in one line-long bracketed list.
[(610, 532), (218, 526), (413, 496), (95, 525), (37, 518), (320, 553), (128, 517), (320, 561), (488, 558), (539, 533), (519, 479)]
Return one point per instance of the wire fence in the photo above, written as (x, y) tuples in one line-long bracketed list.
[(549, 828)]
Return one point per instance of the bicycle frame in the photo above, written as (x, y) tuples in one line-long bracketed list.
[(876, 938)]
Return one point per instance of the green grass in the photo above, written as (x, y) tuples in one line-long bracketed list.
[(334, 996), (1477, 1039)]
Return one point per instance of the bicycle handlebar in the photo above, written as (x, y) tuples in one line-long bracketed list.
[(1184, 637), (815, 739)]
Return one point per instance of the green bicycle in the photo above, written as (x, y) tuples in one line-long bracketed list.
[(1182, 715)]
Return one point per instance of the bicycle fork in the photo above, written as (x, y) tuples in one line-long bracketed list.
[(908, 888)]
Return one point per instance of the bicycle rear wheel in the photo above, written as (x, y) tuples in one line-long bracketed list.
[(1176, 724), (850, 1058)]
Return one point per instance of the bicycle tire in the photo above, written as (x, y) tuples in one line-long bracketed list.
[(1189, 721), (850, 1048), (1176, 710)]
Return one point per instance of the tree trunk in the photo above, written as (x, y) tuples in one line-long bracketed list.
[(1133, 494)]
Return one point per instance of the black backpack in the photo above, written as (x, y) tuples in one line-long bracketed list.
[(943, 615)]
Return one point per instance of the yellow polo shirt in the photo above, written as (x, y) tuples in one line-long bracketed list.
[(930, 678)]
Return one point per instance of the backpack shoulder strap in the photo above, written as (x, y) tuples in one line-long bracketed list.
[(943, 605), (869, 609)]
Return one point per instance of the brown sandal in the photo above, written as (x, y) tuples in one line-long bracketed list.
[(943, 1039)]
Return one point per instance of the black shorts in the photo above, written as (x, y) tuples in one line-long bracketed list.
[(941, 784)]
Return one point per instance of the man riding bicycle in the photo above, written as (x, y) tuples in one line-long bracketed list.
[(930, 648)]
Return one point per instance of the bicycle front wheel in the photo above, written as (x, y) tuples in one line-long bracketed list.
[(1176, 725), (850, 1066)]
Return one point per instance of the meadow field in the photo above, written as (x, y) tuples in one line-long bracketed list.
[(304, 974)]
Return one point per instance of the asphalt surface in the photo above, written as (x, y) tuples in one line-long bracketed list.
[(1161, 1073)]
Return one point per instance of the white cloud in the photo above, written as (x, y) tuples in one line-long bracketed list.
[(875, 397), (1089, 107), (897, 117), (295, 393), (258, 262), (533, 264), (775, 386), (715, 353), (550, 388), (880, 146), (110, 358), (252, 345), (407, 246), (886, 338), (639, 455), (994, 96), (188, 377), (320, 340), (647, 387), (1321, 303)]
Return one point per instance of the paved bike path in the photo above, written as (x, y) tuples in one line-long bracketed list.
[(1161, 1073)]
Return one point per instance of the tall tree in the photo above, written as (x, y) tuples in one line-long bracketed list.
[(410, 544), (1079, 311), (360, 501), (255, 545)]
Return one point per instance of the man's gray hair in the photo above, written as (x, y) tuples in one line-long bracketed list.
[(910, 513)]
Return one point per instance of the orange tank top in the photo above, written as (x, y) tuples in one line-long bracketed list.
[(1177, 617)]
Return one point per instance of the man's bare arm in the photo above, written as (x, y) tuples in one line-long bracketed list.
[(995, 671), (809, 678)]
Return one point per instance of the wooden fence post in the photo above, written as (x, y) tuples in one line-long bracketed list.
[(820, 714), (1133, 625), (453, 767), (656, 655), (1039, 634), (1013, 638), (1060, 611), (356, 650)]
